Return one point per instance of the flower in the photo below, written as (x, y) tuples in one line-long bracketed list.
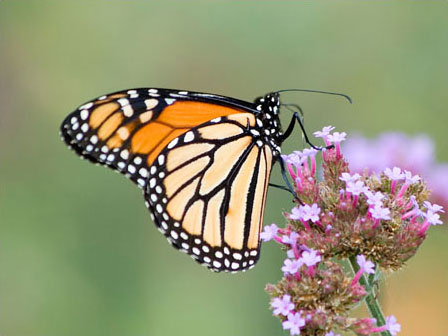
[(346, 177), (325, 132), (378, 212), (356, 188), (365, 265), (331, 334), (392, 326), (296, 213), (310, 258), (291, 266), (291, 238), (433, 218), (294, 322), (433, 207), (337, 137), (310, 212), (282, 306), (411, 179), (309, 152), (345, 226), (269, 232), (394, 174), (294, 159), (374, 198)]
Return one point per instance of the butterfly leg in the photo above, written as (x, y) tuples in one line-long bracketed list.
[(278, 186), (296, 118), (288, 183)]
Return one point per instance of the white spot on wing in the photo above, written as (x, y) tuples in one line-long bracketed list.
[(86, 106), (143, 172), (84, 127), (152, 182), (128, 111), (189, 136), (173, 143), (151, 103), (124, 154), (84, 114), (123, 102)]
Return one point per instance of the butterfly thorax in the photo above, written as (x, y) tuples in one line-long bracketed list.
[(269, 122)]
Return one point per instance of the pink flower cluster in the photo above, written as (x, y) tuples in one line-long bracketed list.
[(357, 211), (380, 220), (415, 154)]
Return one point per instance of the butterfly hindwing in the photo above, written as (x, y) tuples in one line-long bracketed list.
[(207, 191)]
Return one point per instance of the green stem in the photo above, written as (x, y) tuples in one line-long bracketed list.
[(371, 302)]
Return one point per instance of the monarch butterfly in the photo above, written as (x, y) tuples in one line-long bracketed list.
[(202, 160)]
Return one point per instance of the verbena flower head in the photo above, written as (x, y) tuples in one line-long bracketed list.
[(378, 219), (413, 154)]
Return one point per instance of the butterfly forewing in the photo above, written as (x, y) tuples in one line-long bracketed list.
[(127, 130)]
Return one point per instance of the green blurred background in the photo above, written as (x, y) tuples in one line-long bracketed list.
[(79, 254)]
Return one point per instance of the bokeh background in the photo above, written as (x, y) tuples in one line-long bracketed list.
[(79, 254)]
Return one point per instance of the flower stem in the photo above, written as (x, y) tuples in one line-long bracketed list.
[(371, 302)]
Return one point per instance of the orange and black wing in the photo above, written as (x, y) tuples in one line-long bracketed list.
[(127, 130), (207, 192), (198, 158)]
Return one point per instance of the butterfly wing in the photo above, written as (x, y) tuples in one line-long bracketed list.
[(207, 192), (195, 155), (127, 130)]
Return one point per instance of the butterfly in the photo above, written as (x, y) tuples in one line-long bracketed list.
[(202, 160)]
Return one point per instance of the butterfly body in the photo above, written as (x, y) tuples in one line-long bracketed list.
[(202, 160)]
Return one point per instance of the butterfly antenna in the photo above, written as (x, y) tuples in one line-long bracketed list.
[(317, 91)]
